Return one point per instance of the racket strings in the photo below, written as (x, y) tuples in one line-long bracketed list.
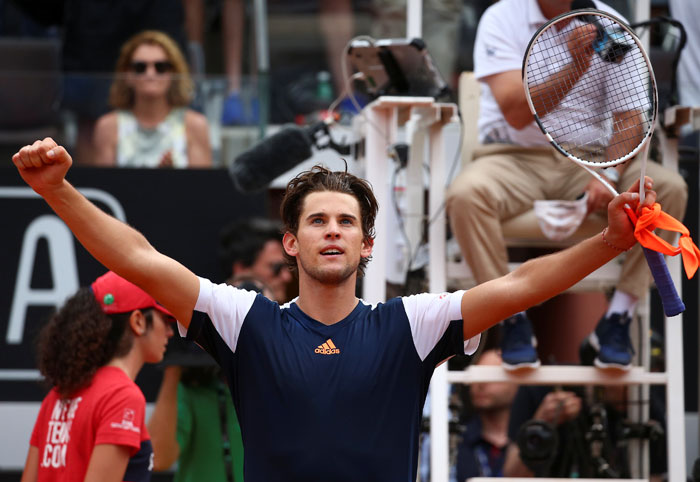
[(592, 97)]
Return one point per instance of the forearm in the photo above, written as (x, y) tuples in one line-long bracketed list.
[(162, 425), (548, 95), (541, 278), (113, 243)]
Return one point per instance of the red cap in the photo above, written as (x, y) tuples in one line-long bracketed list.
[(117, 295)]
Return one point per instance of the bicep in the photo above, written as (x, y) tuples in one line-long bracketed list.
[(31, 465), (172, 284), (108, 463)]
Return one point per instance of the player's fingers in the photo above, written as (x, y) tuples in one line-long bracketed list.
[(44, 147), (58, 154), (19, 158), (649, 199), (30, 155)]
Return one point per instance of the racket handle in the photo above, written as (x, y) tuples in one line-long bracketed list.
[(670, 300)]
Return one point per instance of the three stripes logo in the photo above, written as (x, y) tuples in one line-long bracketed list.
[(327, 348)]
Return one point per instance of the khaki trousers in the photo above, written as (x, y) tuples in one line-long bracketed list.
[(503, 181)]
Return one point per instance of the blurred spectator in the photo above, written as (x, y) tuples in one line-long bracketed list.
[(152, 126), (252, 248), (93, 33), (194, 420), (481, 452), (575, 433), (551, 408)]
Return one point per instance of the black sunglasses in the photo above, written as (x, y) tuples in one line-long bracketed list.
[(162, 66)]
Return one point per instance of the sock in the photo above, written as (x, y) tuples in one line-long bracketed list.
[(622, 302)]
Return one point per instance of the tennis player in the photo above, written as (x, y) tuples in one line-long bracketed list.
[(326, 387)]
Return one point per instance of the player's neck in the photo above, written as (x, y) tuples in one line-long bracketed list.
[(327, 303)]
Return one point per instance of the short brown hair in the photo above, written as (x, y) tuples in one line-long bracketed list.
[(319, 179), (121, 96)]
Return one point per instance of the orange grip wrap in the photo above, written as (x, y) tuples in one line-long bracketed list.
[(652, 218)]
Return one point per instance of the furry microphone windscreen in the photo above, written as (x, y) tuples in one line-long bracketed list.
[(256, 168)]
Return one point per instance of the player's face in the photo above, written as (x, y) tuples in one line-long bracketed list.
[(155, 80), (329, 242), (271, 269), (156, 338)]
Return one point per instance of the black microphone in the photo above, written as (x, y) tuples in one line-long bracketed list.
[(256, 168), (610, 44)]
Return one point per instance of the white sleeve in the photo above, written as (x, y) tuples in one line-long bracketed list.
[(496, 49), (430, 315), (227, 308)]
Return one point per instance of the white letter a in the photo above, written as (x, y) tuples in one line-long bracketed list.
[(63, 266)]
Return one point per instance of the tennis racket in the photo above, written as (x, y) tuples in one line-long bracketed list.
[(591, 88)]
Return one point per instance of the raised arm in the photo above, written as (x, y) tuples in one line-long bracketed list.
[(119, 247), (541, 278)]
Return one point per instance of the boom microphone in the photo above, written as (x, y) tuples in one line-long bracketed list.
[(610, 44), (256, 168)]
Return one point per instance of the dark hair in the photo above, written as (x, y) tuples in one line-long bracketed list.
[(319, 179), (80, 338), (243, 240)]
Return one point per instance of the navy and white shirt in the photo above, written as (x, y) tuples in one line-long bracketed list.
[(317, 402)]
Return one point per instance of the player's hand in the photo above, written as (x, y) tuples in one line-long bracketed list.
[(558, 407), (43, 165), (620, 231), (580, 45), (598, 196)]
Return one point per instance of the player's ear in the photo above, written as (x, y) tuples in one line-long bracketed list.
[(290, 244)]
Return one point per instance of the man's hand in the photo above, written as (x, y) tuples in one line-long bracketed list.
[(620, 231), (598, 195), (580, 45), (43, 165), (558, 407)]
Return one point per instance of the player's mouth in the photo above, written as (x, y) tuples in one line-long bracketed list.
[(332, 251)]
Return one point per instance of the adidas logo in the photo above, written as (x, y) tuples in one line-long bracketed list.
[(327, 348)]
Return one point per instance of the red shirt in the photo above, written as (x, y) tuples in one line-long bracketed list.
[(111, 410)]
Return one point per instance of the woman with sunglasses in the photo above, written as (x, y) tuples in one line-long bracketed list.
[(91, 425), (151, 125)]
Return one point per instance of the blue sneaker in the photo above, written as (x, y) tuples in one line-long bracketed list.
[(611, 339), (518, 343), (236, 112)]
